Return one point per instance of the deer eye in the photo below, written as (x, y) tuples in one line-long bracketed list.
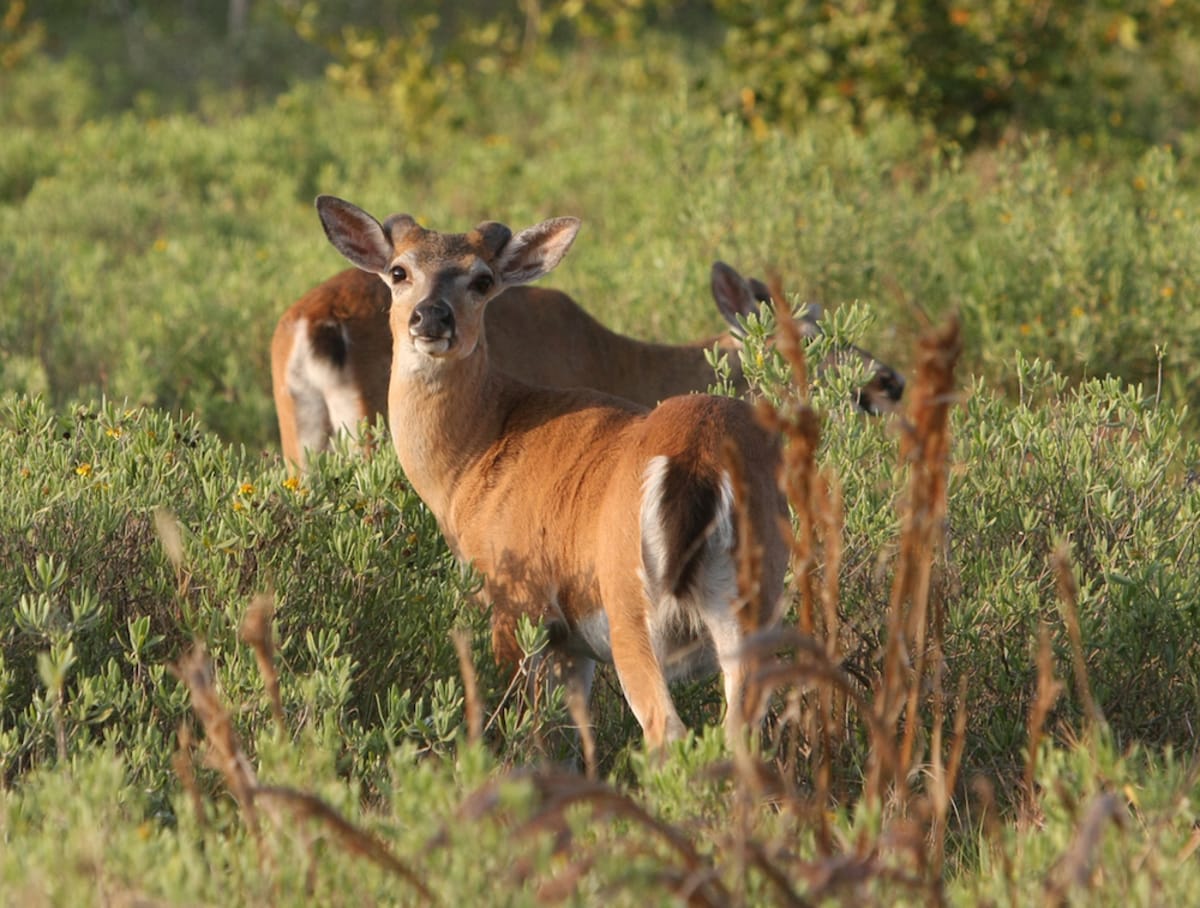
[(399, 274), (482, 284)]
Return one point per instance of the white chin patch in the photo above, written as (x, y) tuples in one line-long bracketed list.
[(432, 346)]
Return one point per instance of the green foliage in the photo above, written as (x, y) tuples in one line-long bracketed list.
[(96, 606), (971, 67), (1099, 466), (1043, 251)]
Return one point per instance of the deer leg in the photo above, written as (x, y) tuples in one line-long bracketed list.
[(643, 681)]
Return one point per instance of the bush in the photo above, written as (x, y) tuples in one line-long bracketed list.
[(126, 535), (975, 68)]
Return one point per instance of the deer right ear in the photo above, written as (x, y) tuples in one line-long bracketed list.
[(734, 295), (355, 234)]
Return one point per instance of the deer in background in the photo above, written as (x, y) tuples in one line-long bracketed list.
[(332, 350), (613, 523)]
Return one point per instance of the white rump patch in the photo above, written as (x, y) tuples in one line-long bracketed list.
[(688, 632), (654, 538), (326, 397)]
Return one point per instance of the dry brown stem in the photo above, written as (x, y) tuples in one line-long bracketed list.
[(181, 762), (353, 840), (225, 754), (1077, 865), (1068, 597), (472, 703), (256, 633), (924, 449), (1048, 689)]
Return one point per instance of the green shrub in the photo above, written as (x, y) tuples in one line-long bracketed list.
[(94, 608), (973, 67), (1099, 466)]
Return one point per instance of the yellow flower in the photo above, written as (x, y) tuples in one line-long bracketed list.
[(746, 96), (238, 506), (1025, 329), (84, 469), (1077, 311), (1140, 184), (1167, 292), (114, 432), (246, 489), (292, 483), (1006, 217), (160, 245)]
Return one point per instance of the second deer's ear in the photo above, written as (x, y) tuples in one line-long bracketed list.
[(734, 296), (355, 234), (536, 250)]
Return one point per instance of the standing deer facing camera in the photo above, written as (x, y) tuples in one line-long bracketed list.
[(613, 523)]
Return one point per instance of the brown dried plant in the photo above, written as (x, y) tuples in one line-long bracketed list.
[(256, 633), (225, 754), (1068, 598), (913, 678), (687, 873), (472, 704), (1048, 690), (924, 449), (224, 750)]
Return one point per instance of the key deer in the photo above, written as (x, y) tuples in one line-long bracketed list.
[(613, 523)]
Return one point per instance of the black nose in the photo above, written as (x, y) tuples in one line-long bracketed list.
[(893, 385), (433, 319), (881, 393)]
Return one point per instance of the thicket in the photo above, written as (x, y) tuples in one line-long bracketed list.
[(975, 68)]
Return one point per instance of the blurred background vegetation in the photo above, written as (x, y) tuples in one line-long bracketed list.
[(977, 69)]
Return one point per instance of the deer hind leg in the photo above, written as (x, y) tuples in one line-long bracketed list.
[(713, 597), (326, 396), (639, 665)]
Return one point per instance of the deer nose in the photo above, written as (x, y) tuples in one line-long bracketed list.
[(431, 319), (893, 384)]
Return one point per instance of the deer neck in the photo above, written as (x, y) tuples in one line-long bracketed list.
[(443, 415), (651, 372), (688, 364)]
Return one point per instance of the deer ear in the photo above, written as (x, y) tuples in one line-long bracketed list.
[(355, 234), (536, 250), (734, 295), (810, 321)]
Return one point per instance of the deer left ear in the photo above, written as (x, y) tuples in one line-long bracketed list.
[(536, 251)]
